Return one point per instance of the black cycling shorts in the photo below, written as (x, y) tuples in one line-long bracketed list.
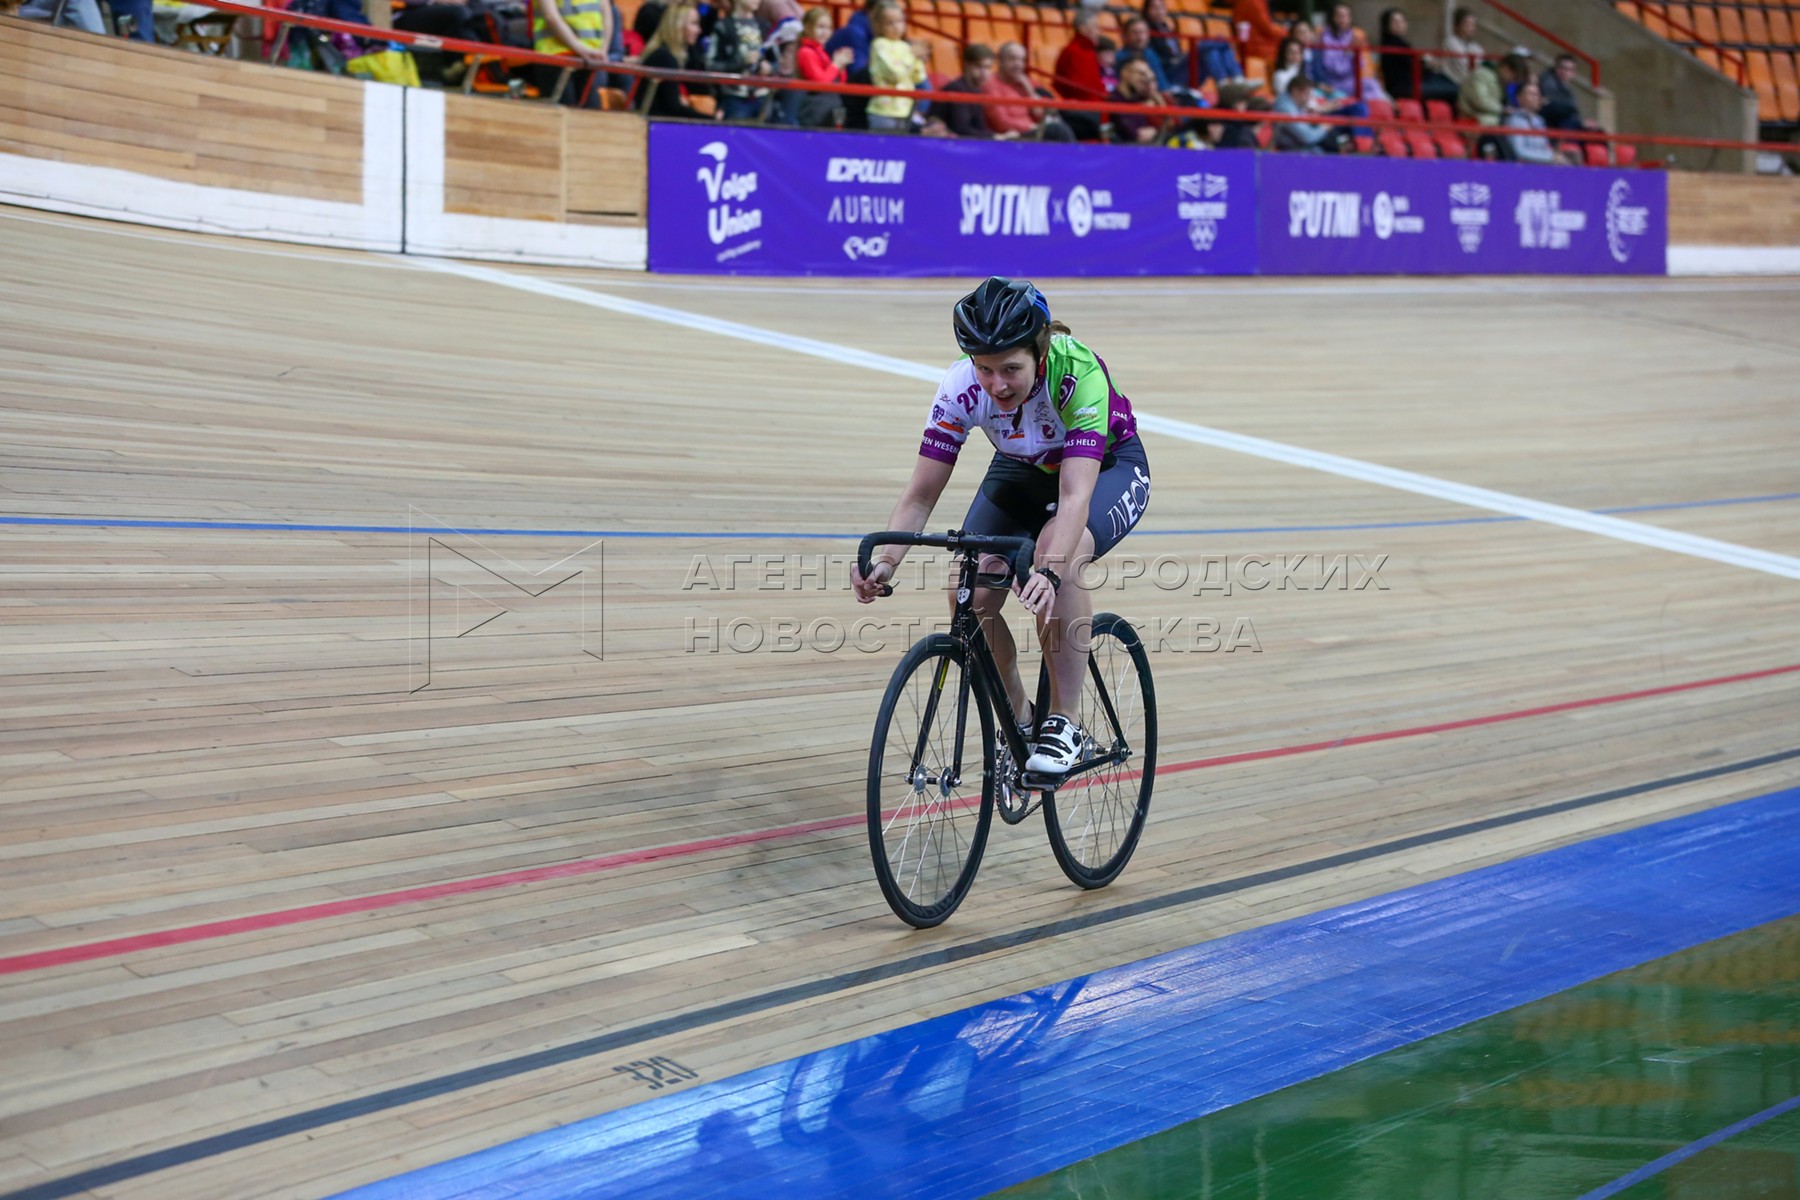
[(1017, 499)]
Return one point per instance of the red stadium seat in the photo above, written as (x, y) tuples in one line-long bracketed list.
[(1594, 154), (1392, 142), (1626, 153)]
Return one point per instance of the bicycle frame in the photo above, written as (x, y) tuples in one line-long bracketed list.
[(965, 627)]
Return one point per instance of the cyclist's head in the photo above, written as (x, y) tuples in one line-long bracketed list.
[(1004, 327), (1000, 315)]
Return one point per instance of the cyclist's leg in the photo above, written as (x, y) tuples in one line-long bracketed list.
[(1120, 497), (985, 517)]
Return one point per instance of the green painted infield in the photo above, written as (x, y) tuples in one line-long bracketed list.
[(1554, 1099)]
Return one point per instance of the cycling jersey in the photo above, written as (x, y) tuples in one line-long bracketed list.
[(1086, 418)]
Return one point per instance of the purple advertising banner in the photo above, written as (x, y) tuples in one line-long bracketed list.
[(735, 200), (1370, 216)]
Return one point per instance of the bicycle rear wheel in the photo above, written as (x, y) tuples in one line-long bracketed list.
[(1095, 820), (931, 793)]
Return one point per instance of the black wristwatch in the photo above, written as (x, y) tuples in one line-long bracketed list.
[(1052, 576)]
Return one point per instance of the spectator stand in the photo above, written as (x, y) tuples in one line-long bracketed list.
[(1423, 133), (1756, 45)]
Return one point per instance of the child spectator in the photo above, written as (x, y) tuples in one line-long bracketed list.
[(1313, 138), (737, 50), (893, 63), (1107, 52), (817, 65), (970, 120)]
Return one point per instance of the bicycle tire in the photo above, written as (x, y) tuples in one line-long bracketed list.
[(926, 849), (1095, 820)]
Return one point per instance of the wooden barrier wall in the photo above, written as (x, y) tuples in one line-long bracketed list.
[(71, 97), (542, 162), (1733, 210)]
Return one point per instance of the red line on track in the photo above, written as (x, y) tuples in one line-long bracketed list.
[(88, 951)]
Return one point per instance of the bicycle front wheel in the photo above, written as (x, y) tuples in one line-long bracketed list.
[(931, 794), (1095, 819)]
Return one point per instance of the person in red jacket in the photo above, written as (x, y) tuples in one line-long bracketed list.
[(1258, 36), (1078, 75), (814, 64)]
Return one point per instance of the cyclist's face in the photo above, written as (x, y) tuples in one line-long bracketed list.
[(1008, 377)]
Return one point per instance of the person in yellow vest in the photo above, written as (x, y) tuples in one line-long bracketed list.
[(573, 27)]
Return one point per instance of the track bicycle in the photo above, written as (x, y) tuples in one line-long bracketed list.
[(932, 800)]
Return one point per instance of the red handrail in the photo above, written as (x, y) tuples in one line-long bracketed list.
[(1567, 47), (1692, 35)]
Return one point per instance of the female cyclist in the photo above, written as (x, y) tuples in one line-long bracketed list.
[(1068, 470)]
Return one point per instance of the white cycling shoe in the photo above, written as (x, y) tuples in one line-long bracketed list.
[(1058, 746)]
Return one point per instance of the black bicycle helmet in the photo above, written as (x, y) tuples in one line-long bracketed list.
[(1000, 315)]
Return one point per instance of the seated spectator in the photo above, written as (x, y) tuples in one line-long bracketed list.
[(1334, 62), (1013, 78), (459, 19), (893, 63), (1463, 52), (736, 49), (1137, 85), (573, 27), (78, 14), (1560, 109), (1137, 42), (1077, 75), (1235, 135), (672, 48), (1107, 51), (815, 64), (1532, 147), (1302, 135), (1258, 36), (771, 13), (1483, 95), (1290, 61), (1398, 67), (970, 120), (857, 34), (781, 51), (1165, 42)]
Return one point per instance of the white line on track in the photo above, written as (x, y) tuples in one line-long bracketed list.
[(1406, 481)]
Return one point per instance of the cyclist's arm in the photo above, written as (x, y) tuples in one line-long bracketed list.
[(1061, 537), (929, 478)]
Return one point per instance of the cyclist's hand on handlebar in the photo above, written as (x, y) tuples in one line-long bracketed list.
[(868, 588), (1037, 595)]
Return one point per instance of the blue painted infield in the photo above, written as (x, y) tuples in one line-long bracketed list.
[(987, 1097), (802, 535)]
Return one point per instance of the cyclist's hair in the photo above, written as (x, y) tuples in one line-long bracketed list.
[(1042, 346)]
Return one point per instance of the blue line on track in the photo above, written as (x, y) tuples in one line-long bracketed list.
[(978, 1100), (1652, 1169), (801, 535)]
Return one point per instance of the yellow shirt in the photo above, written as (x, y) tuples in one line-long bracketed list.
[(893, 64)]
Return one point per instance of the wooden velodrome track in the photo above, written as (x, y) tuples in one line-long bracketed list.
[(205, 724)]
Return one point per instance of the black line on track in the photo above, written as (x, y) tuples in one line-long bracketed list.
[(456, 1081)]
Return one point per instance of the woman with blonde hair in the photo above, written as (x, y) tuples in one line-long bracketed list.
[(669, 49), (893, 63)]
